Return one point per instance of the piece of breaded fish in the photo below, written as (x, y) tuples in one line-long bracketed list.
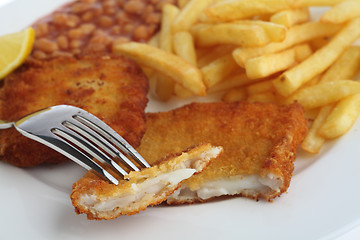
[(260, 141), (100, 199), (112, 88)]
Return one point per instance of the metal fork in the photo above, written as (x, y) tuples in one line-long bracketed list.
[(81, 137)]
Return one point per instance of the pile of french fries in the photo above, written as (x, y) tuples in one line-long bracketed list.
[(260, 51)]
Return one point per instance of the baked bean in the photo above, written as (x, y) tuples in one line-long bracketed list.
[(68, 20), (141, 33), (134, 7), (110, 11), (59, 18), (87, 16), (45, 45), (99, 32), (75, 51), (154, 1), (72, 21), (95, 47), (129, 28), (105, 21), (152, 28), (89, 1), (149, 9), (62, 42), (61, 54), (80, 7), (122, 18), (75, 44), (160, 5), (39, 54), (103, 39), (42, 29), (75, 33), (121, 3), (109, 4), (116, 30), (153, 18), (98, 11), (121, 40), (88, 26)]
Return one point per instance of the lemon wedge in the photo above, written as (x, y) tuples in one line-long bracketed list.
[(14, 49)]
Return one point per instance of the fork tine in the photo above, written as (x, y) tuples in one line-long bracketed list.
[(74, 154), (108, 133), (100, 141), (87, 147)]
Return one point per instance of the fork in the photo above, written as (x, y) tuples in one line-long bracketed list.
[(81, 137)]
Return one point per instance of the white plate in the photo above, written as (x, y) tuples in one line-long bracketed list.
[(321, 203)]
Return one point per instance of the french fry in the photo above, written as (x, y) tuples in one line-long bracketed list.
[(325, 93), (169, 12), (165, 63), (302, 52), (265, 97), (235, 94), (309, 3), (291, 17), (294, 36), (235, 80), (182, 92), (267, 65), (230, 10), (147, 71), (345, 67), (263, 37), (182, 3), (311, 114), (200, 52), (154, 40), (189, 14), (318, 43), (241, 34), (292, 79), (259, 87), (313, 141), (342, 12), (164, 84), (218, 70), (341, 118), (313, 81), (183, 44), (276, 32), (213, 53)]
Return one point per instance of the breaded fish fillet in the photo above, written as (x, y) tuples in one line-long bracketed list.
[(259, 140), (112, 88), (101, 200)]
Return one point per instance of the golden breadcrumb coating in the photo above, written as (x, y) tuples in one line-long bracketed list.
[(258, 139), (91, 194), (112, 88)]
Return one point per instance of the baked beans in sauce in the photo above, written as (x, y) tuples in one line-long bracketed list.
[(93, 26)]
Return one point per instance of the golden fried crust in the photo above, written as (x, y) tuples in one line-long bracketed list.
[(258, 138), (103, 192), (112, 88)]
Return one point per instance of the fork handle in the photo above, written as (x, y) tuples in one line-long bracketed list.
[(5, 124)]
